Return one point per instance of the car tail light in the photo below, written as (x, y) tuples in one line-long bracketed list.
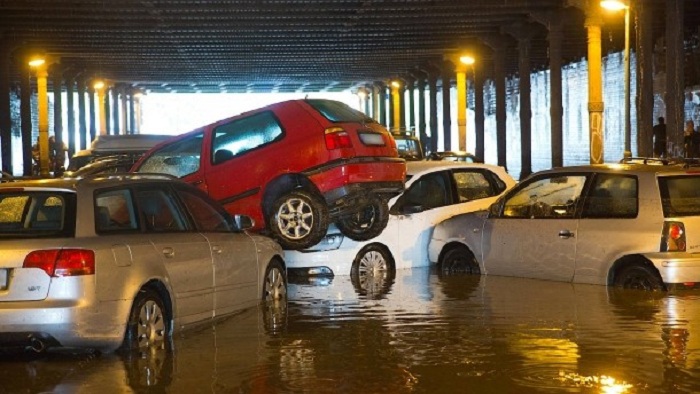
[(337, 138), (62, 262), (673, 237)]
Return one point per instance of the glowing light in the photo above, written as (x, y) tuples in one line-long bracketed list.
[(36, 62), (613, 5), (396, 84), (468, 60), (99, 85)]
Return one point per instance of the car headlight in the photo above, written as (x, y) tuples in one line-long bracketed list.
[(329, 242)]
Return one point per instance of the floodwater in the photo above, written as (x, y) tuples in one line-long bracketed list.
[(419, 332)]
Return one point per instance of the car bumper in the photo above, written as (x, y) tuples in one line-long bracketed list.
[(677, 268), (374, 175)]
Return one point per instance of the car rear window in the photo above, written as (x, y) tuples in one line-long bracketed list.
[(180, 158), (338, 112), (29, 214), (680, 195)]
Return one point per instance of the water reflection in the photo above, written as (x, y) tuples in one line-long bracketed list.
[(416, 332)]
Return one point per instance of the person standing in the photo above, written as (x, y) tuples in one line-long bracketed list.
[(688, 132), (659, 135)]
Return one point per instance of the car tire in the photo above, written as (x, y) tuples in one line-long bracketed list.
[(373, 271), (367, 223), (458, 259), (149, 326), (640, 277), (274, 283), (299, 219)]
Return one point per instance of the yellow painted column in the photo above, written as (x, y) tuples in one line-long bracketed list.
[(43, 106), (462, 107), (595, 87), (395, 96), (100, 89)]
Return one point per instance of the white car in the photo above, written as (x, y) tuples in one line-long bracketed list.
[(434, 192), (626, 225)]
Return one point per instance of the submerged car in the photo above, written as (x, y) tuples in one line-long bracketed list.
[(294, 167), (454, 156), (124, 261), (131, 145), (434, 192), (626, 225)]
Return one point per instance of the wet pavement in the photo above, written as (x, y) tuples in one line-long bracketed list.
[(419, 332)]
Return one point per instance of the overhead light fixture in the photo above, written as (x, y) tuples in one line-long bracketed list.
[(466, 59)]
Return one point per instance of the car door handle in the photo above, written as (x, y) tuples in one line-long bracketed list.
[(168, 252), (564, 234), (216, 249)]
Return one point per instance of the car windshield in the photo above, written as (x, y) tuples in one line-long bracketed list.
[(26, 214), (680, 195), (338, 112)]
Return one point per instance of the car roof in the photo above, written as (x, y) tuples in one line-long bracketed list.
[(626, 168), (418, 167), (100, 180)]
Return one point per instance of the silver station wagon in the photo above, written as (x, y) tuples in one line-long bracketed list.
[(628, 225), (123, 261)]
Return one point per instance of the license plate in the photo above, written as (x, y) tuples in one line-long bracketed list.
[(374, 139), (3, 279)]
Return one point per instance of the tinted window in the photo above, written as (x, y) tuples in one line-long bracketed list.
[(159, 211), (336, 111), (180, 158), (31, 214), (207, 217), (551, 197), (472, 185), (429, 191), (612, 196), (114, 211), (240, 136), (680, 195)]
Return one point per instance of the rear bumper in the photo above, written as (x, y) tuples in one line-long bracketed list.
[(677, 268)]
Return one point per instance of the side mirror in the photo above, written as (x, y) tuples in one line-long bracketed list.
[(495, 209), (243, 222)]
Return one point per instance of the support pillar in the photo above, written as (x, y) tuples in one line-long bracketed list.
[(82, 113), (447, 71), (57, 82), (422, 133), (595, 86), (92, 109), (5, 118), (25, 113), (499, 47), (107, 108), (396, 108), (479, 115), (124, 111), (132, 113), (381, 95), (554, 21), (70, 113), (645, 77), (43, 109), (410, 88), (461, 77), (675, 79), (432, 98), (115, 110), (100, 102)]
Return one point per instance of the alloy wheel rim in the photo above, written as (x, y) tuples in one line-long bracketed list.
[(274, 286), (151, 325), (295, 218)]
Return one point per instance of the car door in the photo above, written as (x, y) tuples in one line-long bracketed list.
[(234, 254), (533, 233), (184, 252)]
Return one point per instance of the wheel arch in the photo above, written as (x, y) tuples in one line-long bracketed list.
[(161, 289), (626, 261), (282, 184), (454, 245)]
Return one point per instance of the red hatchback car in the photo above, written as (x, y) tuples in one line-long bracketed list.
[(294, 167)]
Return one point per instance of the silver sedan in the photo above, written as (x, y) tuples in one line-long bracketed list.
[(124, 261)]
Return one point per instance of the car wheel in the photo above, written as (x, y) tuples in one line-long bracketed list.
[(459, 259), (640, 277), (372, 272), (367, 223), (275, 283), (148, 327), (299, 219)]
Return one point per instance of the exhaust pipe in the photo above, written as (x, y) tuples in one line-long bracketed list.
[(36, 345)]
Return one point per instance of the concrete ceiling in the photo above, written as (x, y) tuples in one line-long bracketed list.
[(285, 45)]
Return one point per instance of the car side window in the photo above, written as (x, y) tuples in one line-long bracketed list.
[(472, 185), (242, 135), (207, 217), (428, 192), (114, 211), (552, 197), (180, 158), (612, 196), (159, 211)]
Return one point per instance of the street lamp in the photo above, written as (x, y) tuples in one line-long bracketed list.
[(616, 5)]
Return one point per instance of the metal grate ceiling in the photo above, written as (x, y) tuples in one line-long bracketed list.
[(281, 45)]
